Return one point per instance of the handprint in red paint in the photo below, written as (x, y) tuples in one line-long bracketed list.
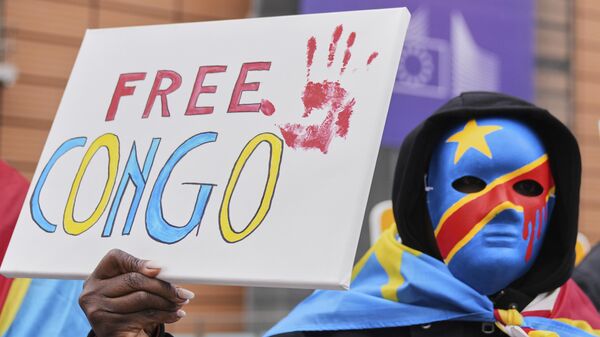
[(327, 96)]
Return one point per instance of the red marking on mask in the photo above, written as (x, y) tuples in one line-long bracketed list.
[(535, 219), (333, 45), (266, 107), (460, 223), (372, 57), (347, 53)]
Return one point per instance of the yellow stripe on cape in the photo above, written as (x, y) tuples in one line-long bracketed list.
[(388, 252), (16, 294), (580, 324)]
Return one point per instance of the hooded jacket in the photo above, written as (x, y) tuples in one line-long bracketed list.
[(554, 264)]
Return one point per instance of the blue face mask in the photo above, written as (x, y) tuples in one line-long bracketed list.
[(490, 194)]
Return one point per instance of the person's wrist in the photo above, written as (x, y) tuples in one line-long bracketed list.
[(156, 331)]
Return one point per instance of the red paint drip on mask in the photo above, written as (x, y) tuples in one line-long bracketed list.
[(534, 218), (372, 57), (333, 45), (529, 224), (347, 53)]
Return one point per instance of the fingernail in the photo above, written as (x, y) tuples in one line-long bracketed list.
[(181, 304), (181, 313), (152, 265), (185, 294)]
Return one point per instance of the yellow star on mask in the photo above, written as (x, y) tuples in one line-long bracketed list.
[(472, 137)]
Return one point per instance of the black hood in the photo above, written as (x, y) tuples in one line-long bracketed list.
[(555, 261)]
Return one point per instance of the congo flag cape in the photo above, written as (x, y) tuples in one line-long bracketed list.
[(395, 286), (33, 307)]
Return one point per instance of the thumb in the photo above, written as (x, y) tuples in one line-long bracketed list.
[(117, 262)]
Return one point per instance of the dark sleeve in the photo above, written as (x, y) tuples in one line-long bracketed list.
[(587, 275), (161, 332)]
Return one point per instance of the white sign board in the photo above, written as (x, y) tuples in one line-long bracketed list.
[(233, 152)]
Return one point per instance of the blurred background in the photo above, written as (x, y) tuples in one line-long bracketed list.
[(547, 51)]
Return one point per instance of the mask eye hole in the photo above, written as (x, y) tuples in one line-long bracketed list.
[(528, 188), (468, 184)]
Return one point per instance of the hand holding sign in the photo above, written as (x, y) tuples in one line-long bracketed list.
[(123, 297)]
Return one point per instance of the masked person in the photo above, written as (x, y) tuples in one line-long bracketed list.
[(485, 197)]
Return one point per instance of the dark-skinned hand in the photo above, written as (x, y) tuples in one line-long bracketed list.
[(124, 298)]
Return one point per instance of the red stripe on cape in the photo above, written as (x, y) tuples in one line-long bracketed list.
[(13, 188), (573, 303)]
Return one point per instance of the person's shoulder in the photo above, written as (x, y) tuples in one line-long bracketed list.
[(385, 332), (444, 328)]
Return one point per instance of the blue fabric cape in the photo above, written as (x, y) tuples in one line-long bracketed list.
[(396, 286), (50, 308)]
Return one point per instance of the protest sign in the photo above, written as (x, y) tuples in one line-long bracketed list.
[(232, 152)]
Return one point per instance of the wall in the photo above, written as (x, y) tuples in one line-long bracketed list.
[(552, 46), (586, 83), (43, 37), (42, 40)]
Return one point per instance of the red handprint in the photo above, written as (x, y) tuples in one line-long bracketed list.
[(326, 95)]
